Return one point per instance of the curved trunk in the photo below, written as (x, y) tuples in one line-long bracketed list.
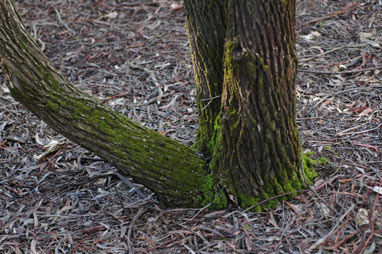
[(144, 155)]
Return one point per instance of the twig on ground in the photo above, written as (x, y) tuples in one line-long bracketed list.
[(342, 72), (323, 239)]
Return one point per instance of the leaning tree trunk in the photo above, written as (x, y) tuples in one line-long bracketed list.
[(171, 170), (244, 59), (253, 140)]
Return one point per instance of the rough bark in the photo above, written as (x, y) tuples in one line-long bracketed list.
[(146, 156), (206, 28), (245, 65), (260, 152), (255, 145)]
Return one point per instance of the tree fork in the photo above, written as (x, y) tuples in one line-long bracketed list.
[(148, 157), (245, 65)]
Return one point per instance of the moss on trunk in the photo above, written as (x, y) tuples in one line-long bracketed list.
[(206, 29), (170, 169), (245, 65), (261, 154), (253, 139)]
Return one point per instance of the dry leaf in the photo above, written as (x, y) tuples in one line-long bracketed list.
[(365, 112), (112, 15), (362, 217), (378, 189), (38, 140), (33, 246), (365, 35), (324, 209)]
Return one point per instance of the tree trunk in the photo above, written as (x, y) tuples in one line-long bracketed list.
[(144, 155), (244, 58), (206, 28), (255, 150)]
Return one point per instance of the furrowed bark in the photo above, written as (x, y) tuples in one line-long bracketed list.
[(206, 28), (244, 52), (245, 64), (171, 170), (260, 151)]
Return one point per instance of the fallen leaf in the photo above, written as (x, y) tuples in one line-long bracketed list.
[(378, 189), (362, 217), (112, 15), (38, 140), (365, 112)]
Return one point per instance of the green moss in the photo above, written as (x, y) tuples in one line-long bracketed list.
[(273, 187), (247, 227), (323, 161), (308, 165), (207, 186), (53, 81), (247, 201), (257, 202), (230, 47), (253, 65), (116, 130), (329, 148), (22, 45), (214, 145), (210, 193), (296, 183), (53, 106), (288, 187), (271, 204)]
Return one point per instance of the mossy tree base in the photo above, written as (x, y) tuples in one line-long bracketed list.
[(253, 142), (170, 169), (244, 59)]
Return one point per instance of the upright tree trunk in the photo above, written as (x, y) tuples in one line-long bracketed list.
[(206, 27), (256, 152)]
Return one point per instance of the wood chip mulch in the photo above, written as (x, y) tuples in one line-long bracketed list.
[(56, 197)]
